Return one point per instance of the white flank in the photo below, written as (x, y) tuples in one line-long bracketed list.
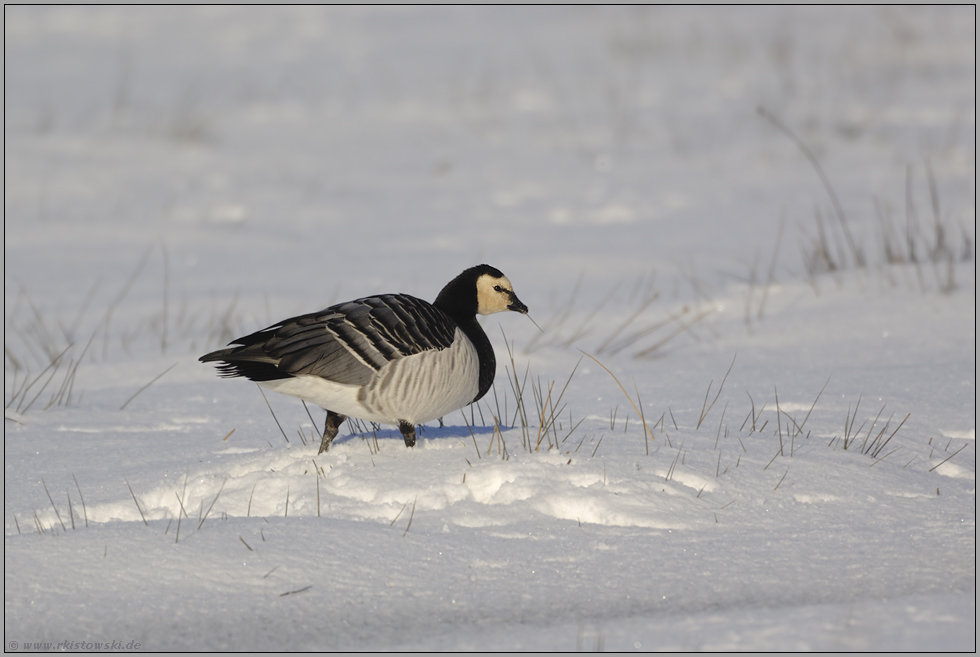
[(326, 394), (415, 389), (425, 386)]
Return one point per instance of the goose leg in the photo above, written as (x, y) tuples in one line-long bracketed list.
[(408, 433), (330, 428)]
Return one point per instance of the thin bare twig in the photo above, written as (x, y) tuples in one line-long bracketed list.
[(155, 379)]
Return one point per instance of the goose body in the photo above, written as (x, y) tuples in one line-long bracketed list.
[(391, 358)]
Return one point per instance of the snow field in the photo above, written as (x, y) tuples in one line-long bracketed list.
[(177, 178)]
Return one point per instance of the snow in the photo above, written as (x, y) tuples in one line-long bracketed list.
[(175, 178)]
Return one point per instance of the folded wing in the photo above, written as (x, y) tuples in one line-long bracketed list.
[(346, 343)]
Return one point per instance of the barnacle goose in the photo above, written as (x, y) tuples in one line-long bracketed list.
[(391, 358)]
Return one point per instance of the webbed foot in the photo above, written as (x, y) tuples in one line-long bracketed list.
[(330, 428), (408, 433)]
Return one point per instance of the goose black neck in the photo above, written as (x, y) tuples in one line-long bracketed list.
[(488, 361), (471, 328), (458, 300)]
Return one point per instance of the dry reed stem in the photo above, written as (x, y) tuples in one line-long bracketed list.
[(630, 399)]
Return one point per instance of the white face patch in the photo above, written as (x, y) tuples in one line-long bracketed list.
[(493, 295)]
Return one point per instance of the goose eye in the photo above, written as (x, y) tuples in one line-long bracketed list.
[(497, 288)]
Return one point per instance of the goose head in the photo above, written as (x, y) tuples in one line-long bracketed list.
[(480, 290), (495, 294)]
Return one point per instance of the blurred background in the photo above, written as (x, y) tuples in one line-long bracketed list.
[(315, 154)]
